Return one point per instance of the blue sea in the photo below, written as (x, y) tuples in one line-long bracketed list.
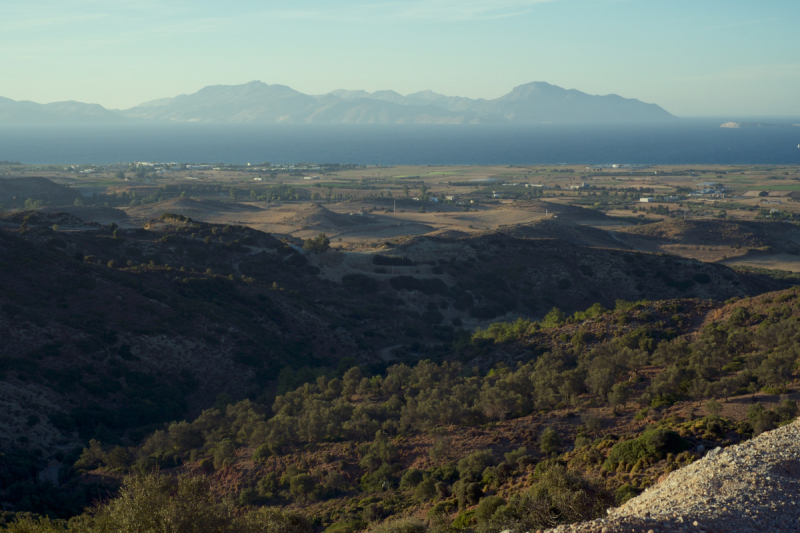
[(687, 141)]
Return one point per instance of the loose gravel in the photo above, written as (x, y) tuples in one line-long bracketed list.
[(751, 487)]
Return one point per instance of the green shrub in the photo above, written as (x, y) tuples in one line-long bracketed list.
[(654, 443), (270, 520), (464, 520), (557, 496), (426, 490), (554, 318), (262, 453), (380, 480), (467, 493), (471, 467), (487, 507), (153, 503), (411, 479), (352, 526), (442, 509), (625, 493), (400, 525), (761, 419), (317, 244), (302, 485)]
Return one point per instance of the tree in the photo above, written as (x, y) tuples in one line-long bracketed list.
[(549, 441), (471, 467), (319, 244), (426, 490), (302, 485), (487, 507), (405, 190), (499, 402), (713, 407), (591, 422), (619, 395), (554, 318)]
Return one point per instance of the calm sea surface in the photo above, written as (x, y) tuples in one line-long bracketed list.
[(688, 141)]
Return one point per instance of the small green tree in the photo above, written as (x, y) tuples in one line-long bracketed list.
[(554, 318), (318, 244), (302, 485), (262, 453), (426, 490), (713, 407), (619, 395), (411, 479), (549, 441), (471, 467)]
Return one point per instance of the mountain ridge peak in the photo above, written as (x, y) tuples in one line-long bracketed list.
[(260, 102)]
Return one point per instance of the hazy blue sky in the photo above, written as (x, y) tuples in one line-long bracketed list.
[(692, 57)]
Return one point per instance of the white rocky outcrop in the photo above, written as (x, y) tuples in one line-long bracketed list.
[(752, 487)]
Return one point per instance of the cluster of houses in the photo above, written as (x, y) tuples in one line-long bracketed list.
[(651, 199), (600, 168)]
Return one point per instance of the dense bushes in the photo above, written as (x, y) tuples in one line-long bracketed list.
[(154, 504), (320, 243), (557, 496), (653, 444)]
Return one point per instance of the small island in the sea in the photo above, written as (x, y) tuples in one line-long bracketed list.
[(735, 125)]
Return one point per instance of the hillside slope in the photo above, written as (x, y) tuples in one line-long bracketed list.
[(749, 488)]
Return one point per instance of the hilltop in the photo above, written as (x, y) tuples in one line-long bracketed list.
[(43, 190)]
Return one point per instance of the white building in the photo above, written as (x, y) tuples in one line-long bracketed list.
[(647, 199)]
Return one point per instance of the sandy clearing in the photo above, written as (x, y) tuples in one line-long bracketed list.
[(777, 261)]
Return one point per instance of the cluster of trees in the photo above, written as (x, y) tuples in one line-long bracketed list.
[(726, 358), (775, 214)]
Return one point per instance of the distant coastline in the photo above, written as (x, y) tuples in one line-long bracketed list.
[(737, 125)]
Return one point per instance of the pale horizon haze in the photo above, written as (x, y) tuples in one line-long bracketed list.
[(694, 58)]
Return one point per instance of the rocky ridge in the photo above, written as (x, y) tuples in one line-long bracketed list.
[(751, 487)]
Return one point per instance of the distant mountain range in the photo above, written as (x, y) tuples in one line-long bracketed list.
[(13, 112), (258, 102)]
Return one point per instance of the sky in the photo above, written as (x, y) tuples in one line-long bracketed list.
[(692, 57)]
